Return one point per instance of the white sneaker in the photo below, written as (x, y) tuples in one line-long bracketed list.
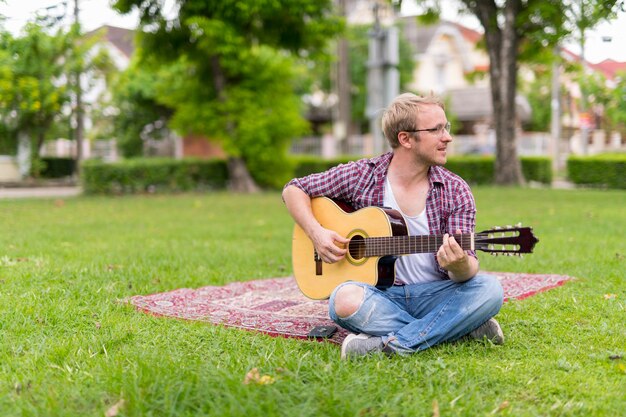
[(491, 330), (360, 345)]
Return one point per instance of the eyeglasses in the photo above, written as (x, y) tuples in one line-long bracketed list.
[(436, 130)]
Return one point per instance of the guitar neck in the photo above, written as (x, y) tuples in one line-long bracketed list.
[(405, 245)]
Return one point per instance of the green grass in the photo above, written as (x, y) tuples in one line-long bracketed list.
[(69, 347)]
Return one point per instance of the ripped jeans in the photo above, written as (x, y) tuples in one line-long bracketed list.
[(415, 317)]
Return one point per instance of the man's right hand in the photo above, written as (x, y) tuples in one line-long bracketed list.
[(330, 245)]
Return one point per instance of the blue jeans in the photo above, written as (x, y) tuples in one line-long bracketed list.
[(415, 317)]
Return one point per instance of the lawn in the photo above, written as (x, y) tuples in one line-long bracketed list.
[(69, 347)]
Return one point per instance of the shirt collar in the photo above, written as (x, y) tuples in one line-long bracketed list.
[(436, 175), (381, 164)]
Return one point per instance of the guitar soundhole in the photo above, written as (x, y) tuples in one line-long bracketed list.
[(356, 247)]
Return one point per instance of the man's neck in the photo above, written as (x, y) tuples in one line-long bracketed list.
[(404, 170)]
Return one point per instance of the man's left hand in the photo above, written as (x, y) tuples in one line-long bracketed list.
[(450, 254)]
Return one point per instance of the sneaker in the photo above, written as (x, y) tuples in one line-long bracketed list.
[(491, 330), (360, 345)]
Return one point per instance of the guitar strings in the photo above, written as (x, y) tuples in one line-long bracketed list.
[(403, 244)]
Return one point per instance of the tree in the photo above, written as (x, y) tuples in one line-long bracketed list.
[(516, 30), (36, 84), (32, 92), (616, 111), (134, 100), (227, 69)]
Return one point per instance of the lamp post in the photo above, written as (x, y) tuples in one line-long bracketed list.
[(383, 77)]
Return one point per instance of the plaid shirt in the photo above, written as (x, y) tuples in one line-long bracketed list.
[(450, 205)]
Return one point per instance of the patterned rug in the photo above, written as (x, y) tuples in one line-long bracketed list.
[(277, 307)]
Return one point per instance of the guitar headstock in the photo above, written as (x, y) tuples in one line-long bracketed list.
[(507, 240)]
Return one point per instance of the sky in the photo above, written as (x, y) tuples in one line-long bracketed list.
[(95, 13)]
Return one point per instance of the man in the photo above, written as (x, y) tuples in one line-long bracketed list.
[(436, 297)]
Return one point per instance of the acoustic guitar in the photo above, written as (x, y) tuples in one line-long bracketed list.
[(377, 237)]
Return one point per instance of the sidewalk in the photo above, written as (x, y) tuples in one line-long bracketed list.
[(40, 192)]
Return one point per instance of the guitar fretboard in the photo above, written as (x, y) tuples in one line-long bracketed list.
[(404, 245)]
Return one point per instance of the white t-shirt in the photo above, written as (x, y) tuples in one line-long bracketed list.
[(415, 268)]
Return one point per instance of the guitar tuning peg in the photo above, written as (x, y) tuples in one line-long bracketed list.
[(519, 224), (508, 226), (520, 255), (497, 227)]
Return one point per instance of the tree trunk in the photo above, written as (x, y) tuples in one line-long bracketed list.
[(502, 45), (240, 180)]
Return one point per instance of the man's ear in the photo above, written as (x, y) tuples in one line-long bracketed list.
[(404, 138)]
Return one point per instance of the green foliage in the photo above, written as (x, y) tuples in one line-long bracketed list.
[(227, 70), (58, 167), (538, 92), (37, 80), (153, 175), (32, 93), (135, 97), (616, 111), (256, 118), (608, 170), (473, 169), (305, 165), (537, 169)]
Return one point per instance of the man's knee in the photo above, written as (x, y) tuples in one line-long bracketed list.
[(347, 299), (491, 289)]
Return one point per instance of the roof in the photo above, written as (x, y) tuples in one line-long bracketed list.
[(120, 38), (609, 68), (420, 37)]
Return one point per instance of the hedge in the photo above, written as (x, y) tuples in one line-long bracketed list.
[(153, 175), (606, 170), (58, 167), (161, 175), (474, 169)]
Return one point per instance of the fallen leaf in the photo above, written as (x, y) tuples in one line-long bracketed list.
[(255, 377), (610, 296), (115, 409), (504, 404), (435, 408)]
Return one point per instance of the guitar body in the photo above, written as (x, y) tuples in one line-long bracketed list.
[(318, 279)]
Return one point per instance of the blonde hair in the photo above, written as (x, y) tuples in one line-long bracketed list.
[(401, 115)]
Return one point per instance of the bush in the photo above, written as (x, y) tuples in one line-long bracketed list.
[(153, 175), (305, 165), (537, 168), (473, 169), (607, 170), (58, 167)]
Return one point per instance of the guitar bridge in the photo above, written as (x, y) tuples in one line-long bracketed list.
[(318, 263)]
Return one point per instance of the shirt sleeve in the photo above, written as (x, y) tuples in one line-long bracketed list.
[(333, 183), (463, 214)]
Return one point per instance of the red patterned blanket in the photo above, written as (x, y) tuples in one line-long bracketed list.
[(277, 307)]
